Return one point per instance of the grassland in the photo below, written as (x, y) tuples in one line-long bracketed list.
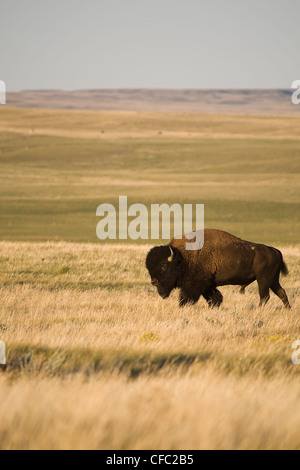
[(95, 358), (58, 166)]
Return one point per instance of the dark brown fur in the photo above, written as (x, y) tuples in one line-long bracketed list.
[(224, 259)]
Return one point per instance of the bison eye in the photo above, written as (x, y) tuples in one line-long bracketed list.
[(154, 282)]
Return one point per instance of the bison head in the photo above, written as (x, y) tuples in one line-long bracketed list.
[(162, 264)]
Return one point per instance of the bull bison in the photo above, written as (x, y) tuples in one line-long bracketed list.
[(224, 259)]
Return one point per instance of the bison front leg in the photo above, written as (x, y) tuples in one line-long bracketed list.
[(264, 291), (213, 297), (187, 299)]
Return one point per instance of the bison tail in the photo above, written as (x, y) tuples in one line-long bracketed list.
[(284, 269)]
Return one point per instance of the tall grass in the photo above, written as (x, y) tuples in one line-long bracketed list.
[(97, 360)]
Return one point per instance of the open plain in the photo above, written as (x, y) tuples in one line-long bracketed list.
[(95, 358)]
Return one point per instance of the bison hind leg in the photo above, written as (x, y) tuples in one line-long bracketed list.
[(213, 297), (242, 289), (280, 292)]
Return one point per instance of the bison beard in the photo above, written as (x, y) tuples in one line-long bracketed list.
[(223, 260)]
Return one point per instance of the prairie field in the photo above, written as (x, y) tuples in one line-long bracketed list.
[(58, 166), (95, 359)]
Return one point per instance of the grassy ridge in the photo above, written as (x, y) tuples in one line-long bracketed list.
[(52, 184)]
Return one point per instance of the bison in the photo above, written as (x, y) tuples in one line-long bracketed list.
[(224, 259)]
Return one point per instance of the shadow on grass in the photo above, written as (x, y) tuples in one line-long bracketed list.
[(38, 360)]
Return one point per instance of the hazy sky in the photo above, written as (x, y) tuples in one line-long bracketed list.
[(76, 44)]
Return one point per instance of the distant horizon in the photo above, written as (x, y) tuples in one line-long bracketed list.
[(151, 88), (194, 100)]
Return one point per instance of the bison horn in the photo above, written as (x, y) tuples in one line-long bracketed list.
[(172, 255)]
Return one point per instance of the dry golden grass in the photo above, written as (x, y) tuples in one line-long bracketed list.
[(170, 412), (97, 360), (146, 125)]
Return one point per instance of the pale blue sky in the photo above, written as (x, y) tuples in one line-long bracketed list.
[(72, 44)]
